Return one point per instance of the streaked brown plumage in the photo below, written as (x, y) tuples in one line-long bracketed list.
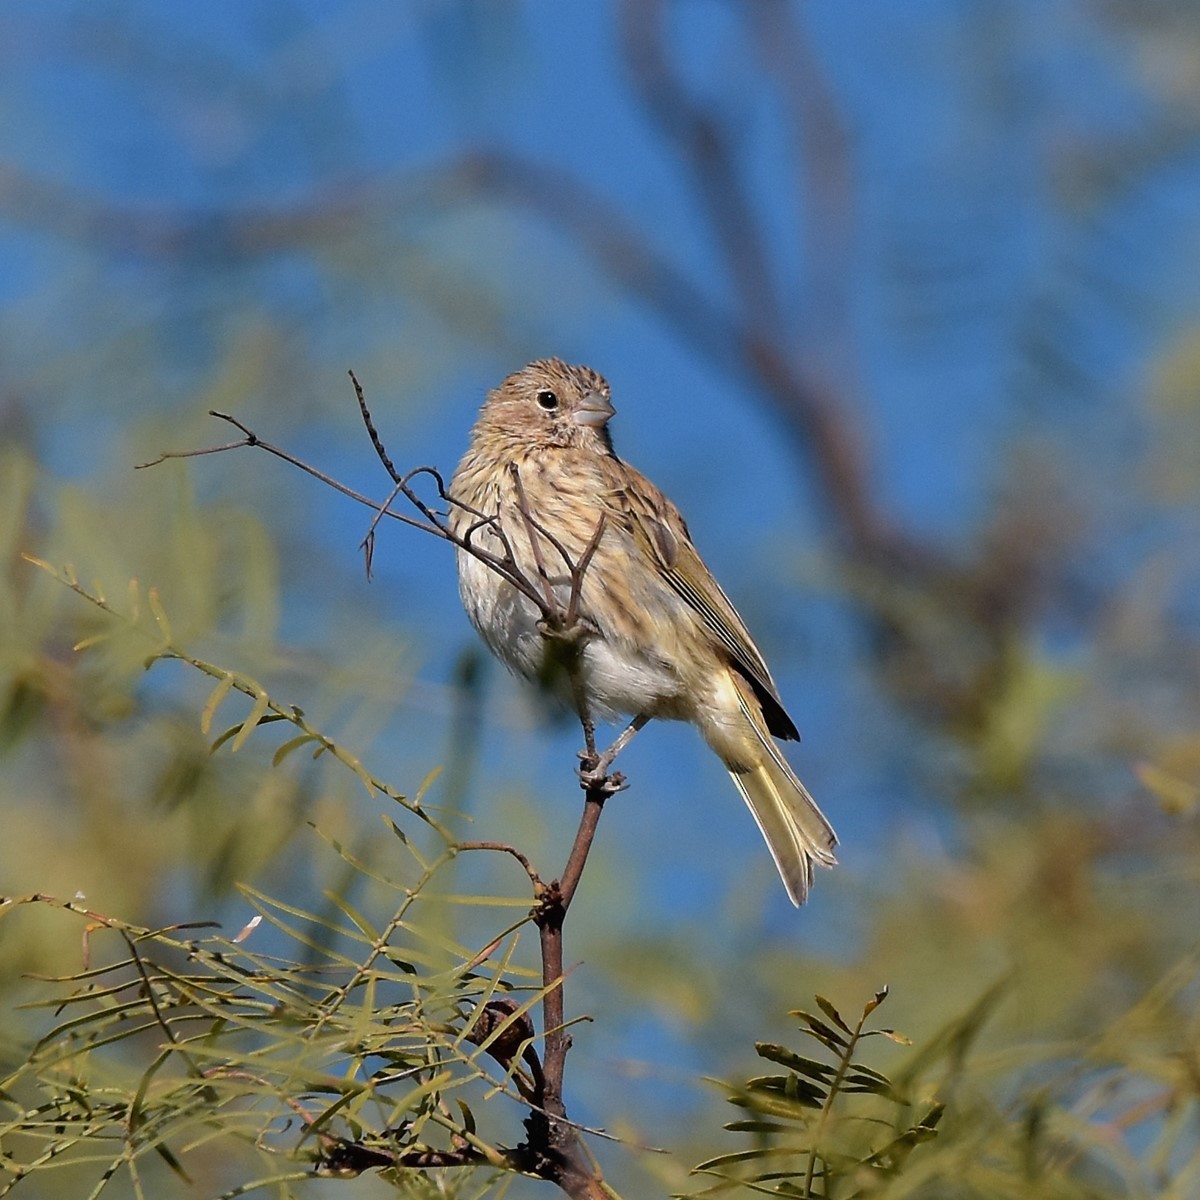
[(662, 638)]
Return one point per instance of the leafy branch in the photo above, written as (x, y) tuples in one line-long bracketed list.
[(807, 1144), (263, 710), (299, 1060)]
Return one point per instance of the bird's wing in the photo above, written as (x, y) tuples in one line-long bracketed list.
[(658, 524)]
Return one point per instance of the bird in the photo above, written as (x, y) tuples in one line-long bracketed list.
[(541, 491)]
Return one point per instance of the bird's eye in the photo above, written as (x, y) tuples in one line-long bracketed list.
[(547, 399)]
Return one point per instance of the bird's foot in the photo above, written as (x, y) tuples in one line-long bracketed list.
[(570, 634), (594, 776)]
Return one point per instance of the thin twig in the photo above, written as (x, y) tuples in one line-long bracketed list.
[(371, 433), (505, 848), (367, 545), (505, 566), (252, 439), (580, 569), (532, 530)]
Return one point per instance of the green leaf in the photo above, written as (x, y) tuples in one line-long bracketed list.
[(833, 1014), (257, 712), (369, 932), (822, 1032), (756, 1127), (214, 702), (164, 1152), (795, 1062), (891, 1157), (790, 1087), (160, 614), (869, 1084), (878, 1076), (741, 1156), (293, 744)]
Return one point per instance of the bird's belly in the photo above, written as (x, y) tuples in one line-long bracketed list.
[(618, 678), (506, 621)]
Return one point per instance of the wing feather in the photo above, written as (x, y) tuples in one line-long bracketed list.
[(658, 524)]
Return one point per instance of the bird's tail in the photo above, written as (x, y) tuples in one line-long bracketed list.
[(795, 829)]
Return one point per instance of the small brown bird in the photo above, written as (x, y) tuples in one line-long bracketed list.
[(659, 636)]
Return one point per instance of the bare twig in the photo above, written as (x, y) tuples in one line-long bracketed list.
[(532, 531), (505, 848), (580, 569), (504, 565), (252, 439), (376, 441)]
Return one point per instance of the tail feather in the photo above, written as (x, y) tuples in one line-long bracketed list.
[(795, 829)]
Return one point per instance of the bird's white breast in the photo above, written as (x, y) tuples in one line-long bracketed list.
[(618, 679)]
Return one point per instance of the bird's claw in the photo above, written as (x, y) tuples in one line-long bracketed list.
[(594, 777), (562, 633)]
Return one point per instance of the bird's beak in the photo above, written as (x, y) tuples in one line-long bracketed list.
[(594, 410)]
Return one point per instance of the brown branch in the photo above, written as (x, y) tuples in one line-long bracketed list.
[(553, 1149), (504, 565), (168, 233), (505, 848), (580, 569), (253, 440), (347, 1157), (807, 403), (376, 440), (553, 1140), (532, 530)]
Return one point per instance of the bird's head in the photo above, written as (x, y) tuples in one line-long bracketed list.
[(550, 403)]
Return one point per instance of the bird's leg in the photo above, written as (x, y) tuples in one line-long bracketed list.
[(625, 737), (595, 767)]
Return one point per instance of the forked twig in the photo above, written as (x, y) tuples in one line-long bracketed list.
[(532, 529), (252, 439), (580, 569)]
